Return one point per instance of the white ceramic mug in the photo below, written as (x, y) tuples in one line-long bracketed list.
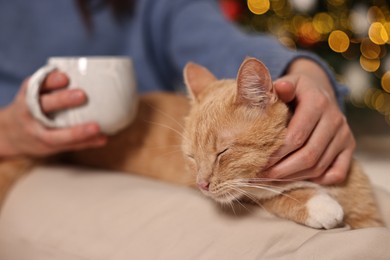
[(110, 86)]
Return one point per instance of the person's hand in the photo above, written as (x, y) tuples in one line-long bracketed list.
[(21, 134), (319, 143)]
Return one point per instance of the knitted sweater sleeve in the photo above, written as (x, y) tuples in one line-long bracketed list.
[(197, 31)]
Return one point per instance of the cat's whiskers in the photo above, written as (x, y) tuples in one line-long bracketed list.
[(272, 188), (230, 203), (261, 186), (249, 196), (237, 199), (253, 181), (169, 153), (243, 183), (242, 205), (222, 190), (167, 116), (167, 127), (164, 146), (229, 185), (266, 179)]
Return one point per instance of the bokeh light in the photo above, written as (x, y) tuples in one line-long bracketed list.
[(369, 95), (385, 82), (278, 5), (378, 33), (323, 23), (358, 20), (336, 2), (303, 6), (288, 42), (297, 22), (338, 41), (369, 49), (375, 14), (387, 28), (345, 33), (308, 35), (281, 8), (357, 80), (369, 65), (379, 102), (258, 6)]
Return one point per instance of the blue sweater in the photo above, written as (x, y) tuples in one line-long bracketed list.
[(160, 37)]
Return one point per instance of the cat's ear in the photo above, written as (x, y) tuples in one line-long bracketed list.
[(197, 78), (254, 84)]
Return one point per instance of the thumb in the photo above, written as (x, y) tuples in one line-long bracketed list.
[(285, 90)]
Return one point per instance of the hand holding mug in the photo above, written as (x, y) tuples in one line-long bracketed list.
[(108, 83), (65, 111), (22, 134)]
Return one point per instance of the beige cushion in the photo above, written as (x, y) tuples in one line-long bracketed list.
[(60, 213)]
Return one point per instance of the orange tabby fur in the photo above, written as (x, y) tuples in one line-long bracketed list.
[(150, 146), (231, 129)]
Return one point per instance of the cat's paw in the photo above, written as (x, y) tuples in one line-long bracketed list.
[(324, 212)]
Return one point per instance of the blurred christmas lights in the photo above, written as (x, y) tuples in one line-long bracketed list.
[(258, 6), (338, 41), (343, 32)]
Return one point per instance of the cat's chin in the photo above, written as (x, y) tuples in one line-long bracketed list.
[(223, 198)]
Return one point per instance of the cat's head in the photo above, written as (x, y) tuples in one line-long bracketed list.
[(232, 129)]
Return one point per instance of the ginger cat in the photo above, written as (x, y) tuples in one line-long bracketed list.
[(231, 128)]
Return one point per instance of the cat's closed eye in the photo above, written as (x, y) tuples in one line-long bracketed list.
[(222, 152), (190, 156)]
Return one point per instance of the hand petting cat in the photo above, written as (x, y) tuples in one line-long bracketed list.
[(21, 134), (319, 143)]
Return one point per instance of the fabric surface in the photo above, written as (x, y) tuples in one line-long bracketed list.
[(161, 37), (60, 213)]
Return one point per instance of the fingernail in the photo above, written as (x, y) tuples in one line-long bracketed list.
[(58, 77), (77, 95)]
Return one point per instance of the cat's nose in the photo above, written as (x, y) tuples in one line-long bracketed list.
[(203, 185)]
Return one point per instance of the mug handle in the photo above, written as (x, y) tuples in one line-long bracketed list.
[(32, 94)]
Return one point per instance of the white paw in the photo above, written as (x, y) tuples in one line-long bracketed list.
[(324, 212)]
